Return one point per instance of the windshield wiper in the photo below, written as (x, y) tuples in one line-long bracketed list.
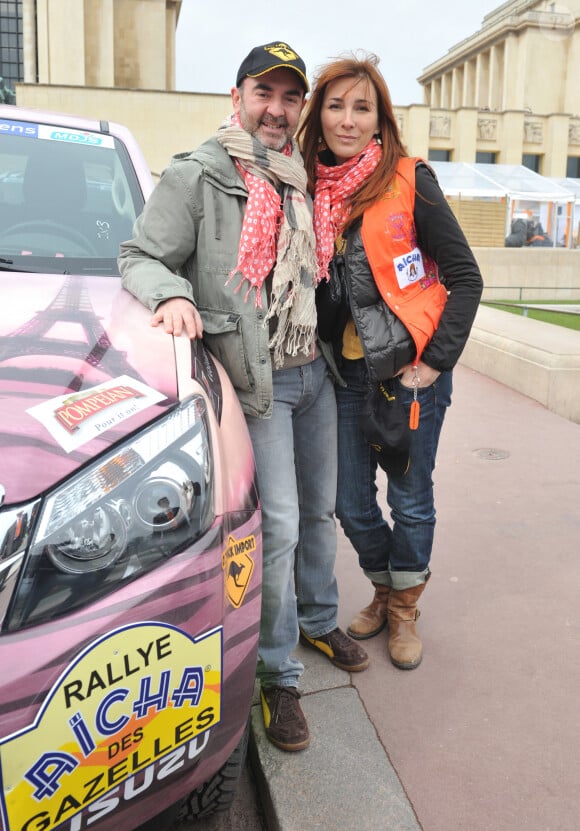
[(7, 265)]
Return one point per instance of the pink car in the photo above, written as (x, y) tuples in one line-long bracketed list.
[(130, 525)]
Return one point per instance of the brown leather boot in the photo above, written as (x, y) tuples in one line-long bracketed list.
[(404, 645), (373, 618)]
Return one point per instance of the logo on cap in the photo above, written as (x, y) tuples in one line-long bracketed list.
[(282, 51)]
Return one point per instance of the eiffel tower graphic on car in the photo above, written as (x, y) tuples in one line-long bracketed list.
[(71, 305)]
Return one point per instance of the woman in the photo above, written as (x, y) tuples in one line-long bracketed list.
[(382, 222)]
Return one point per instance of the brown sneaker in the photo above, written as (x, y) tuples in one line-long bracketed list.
[(284, 720), (341, 650)]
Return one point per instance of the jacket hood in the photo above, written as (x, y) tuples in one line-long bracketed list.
[(80, 370)]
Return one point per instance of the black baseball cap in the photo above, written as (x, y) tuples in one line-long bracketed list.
[(275, 55)]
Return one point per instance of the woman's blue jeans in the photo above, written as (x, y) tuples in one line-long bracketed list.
[(396, 555), (296, 466)]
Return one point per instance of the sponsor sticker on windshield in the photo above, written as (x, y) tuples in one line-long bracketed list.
[(76, 418), (52, 133), (130, 699), (18, 128)]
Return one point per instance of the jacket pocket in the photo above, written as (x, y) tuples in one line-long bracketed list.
[(223, 336)]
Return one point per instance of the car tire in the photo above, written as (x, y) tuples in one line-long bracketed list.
[(218, 793)]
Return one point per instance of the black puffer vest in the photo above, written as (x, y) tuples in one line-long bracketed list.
[(386, 342)]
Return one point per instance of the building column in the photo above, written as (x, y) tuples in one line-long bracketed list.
[(495, 77), (555, 145), (457, 88), (29, 41), (417, 130), (468, 94), (60, 39), (512, 137), (435, 100), (100, 43), (482, 80), (445, 91), (509, 98), (465, 138)]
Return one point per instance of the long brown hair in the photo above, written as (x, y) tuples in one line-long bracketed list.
[(310, 132)]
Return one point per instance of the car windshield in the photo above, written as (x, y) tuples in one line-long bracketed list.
[(67, 200)]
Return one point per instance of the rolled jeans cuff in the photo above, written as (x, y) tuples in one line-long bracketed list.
[(399, 580)]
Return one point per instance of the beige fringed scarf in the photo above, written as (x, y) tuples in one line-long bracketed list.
[(276, 233)]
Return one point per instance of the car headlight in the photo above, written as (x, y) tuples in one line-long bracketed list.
[(147, 500)]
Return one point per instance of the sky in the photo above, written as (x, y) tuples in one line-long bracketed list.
[(214, 36)]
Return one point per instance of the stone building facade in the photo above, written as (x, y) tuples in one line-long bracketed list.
[(90, 43), (508, 94)]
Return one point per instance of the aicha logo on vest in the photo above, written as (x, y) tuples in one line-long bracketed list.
[(409, 268)]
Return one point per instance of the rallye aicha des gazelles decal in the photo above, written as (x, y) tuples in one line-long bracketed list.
[(130, 698)]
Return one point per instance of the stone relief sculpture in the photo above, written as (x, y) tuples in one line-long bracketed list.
[(533, 131), (574, 132), (487, 129), (440, 126)]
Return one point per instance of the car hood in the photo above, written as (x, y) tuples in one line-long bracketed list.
[(80, 369)]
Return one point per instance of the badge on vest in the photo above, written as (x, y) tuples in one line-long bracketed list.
[(409, 268)]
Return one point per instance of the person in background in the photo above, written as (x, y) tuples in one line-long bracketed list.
[(225, 250), (537, 237), (382, 222), (518, 234), (7, 95)]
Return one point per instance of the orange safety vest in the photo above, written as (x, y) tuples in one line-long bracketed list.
[(406, 277)]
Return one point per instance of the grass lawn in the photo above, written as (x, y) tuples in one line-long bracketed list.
[(569, 321)]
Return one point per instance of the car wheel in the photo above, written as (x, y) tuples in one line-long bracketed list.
[(218, 793)]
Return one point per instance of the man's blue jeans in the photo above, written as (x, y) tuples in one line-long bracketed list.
[(296, 464), (397, 555)]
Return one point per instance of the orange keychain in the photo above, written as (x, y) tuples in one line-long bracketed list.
[(414, 414), (415, 406)]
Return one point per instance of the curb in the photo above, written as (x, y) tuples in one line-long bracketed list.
[(344, 780)]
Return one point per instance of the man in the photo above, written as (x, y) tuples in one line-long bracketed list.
[(225, 249)]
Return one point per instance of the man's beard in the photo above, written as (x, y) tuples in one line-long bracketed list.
[(253, 127)]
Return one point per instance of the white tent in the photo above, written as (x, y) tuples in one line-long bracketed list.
[(523, 183), (528, 195), (573, 185), (467, 180)]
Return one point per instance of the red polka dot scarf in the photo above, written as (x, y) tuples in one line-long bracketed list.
[(334, 187), (276, 235)]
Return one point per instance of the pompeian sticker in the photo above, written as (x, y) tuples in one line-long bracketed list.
[(74, 419), (238, 566), (130, 699)]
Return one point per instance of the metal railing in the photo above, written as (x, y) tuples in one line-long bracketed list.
[(571, 293), (540, 307)]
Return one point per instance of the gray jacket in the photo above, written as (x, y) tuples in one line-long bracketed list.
[(185, 244)]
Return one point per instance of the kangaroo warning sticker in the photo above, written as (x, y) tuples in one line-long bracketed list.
[(238, 566), (131, 698)]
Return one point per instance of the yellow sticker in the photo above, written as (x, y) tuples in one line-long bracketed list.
[(238, 566), (131, 698)]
